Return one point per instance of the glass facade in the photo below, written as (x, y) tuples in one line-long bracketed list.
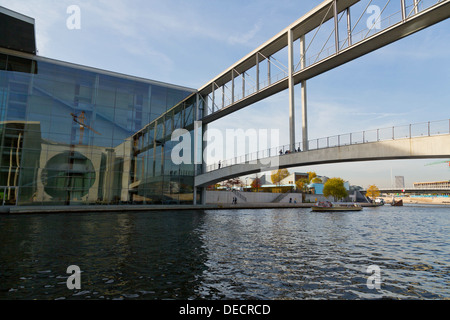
[(76, 135), (153, 172)]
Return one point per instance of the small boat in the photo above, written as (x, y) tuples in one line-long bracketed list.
[(397, 203), (323, 206)]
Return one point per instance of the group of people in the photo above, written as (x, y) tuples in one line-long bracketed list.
[(288, 151), (281, 153), (234, 200)]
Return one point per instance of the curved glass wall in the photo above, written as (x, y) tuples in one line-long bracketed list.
[(68, 136)]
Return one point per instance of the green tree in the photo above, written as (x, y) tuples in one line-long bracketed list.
[(279, 175), (335, 187)]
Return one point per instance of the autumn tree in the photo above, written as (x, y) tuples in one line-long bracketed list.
[(373, 192), (230, 183), (302, 184), (236, 182), (256, 184), (279, 175), (316, 180), (311, 176), (335, 187)]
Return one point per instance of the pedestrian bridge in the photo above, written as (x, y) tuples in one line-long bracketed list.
[(422, 147), (231, 90)]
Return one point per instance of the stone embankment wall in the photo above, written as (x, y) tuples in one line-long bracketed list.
[(214, 197)]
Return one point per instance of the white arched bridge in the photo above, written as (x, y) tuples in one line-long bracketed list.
[(416, 141)]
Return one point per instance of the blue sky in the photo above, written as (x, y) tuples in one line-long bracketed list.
[(189, 42)]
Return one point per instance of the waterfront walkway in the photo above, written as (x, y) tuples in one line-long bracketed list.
[(149, 208)]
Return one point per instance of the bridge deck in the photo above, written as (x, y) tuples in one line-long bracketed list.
[(409, 148)]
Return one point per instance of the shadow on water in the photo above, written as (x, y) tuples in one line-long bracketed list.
[(121, 255)]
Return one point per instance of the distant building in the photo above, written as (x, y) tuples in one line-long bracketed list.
[(293, 177), (284, 185), (263, 179), (400, 182), (316, 188), (288, 183), (432, 185)]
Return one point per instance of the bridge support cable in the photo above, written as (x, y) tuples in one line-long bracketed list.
[(415, 8), (271, 61), (236, 74), (335, 31), (213, 91), (303, 56)]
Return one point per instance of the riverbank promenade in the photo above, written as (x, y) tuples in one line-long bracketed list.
[(150, 208), (218, 206)]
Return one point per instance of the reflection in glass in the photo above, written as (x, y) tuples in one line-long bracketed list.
[(75, 135)]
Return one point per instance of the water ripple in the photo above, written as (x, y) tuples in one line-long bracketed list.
[(237, 254)]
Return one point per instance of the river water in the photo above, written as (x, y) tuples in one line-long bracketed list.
[(268, 254)]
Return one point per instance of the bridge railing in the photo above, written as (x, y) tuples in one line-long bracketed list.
[(422, 129), (316, 51)]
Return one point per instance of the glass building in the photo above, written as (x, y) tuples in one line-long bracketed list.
[(71, 134)]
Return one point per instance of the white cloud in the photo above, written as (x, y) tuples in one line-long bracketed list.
[(245, 38)]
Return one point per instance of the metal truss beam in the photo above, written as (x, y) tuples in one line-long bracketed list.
[(307, 23), (329, 9)]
